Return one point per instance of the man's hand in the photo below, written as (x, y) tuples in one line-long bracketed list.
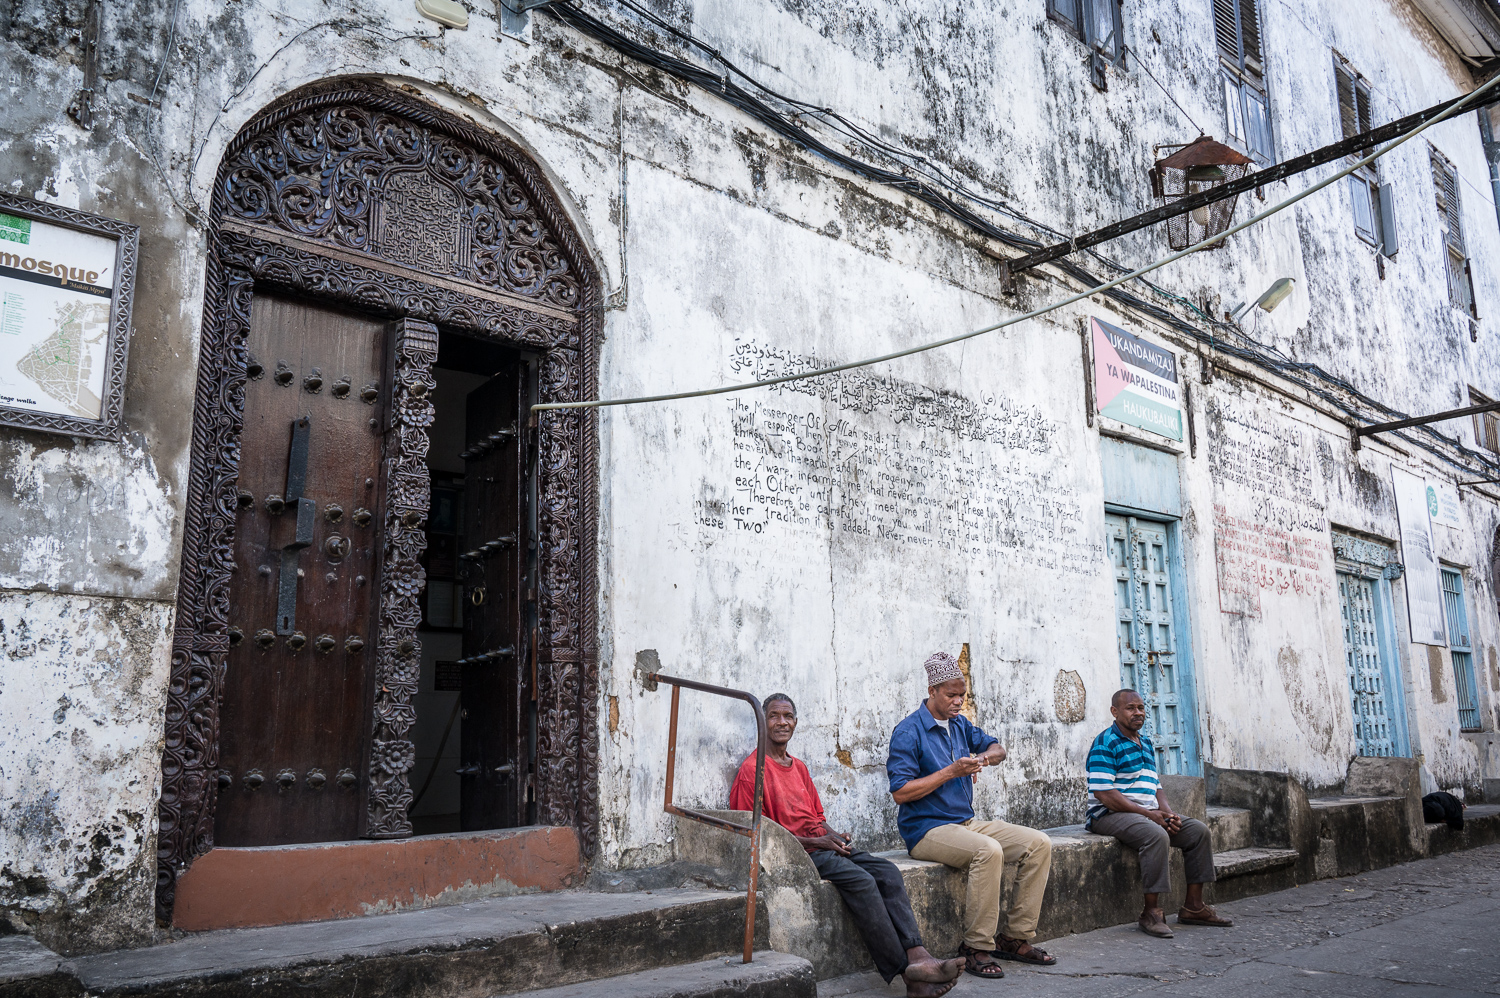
[(1169, 820), (967, 766), (994, 755), (833, 841)]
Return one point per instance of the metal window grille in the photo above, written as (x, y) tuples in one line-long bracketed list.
[(1247, 110), (1461, 650), (1450, 219)]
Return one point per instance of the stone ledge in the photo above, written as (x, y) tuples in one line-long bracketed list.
[(770, 975), (1241, 862), (1481, 827), (475, 950), (230, 888)]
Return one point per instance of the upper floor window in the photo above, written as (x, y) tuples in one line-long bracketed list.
[(1247, 108), (1486, 424), (1374, 221), (1097, 24), (1451, 221)]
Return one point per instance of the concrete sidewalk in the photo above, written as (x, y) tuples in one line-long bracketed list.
[(1429, 929)]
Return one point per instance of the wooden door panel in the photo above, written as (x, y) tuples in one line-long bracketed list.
[(296, 692), (495, 690)]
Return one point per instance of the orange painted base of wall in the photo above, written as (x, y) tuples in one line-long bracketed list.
[(274, 885)]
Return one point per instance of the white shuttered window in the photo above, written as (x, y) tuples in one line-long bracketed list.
[(1247, 107)]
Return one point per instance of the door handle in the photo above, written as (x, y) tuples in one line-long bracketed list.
[(505, 769), (307, 512), (469, 770)]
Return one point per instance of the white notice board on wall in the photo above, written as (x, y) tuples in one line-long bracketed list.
[(1442, 503), (1424, 591)]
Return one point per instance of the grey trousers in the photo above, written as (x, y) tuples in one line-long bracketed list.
[(1151, 841)]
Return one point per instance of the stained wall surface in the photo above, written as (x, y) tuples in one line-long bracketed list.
[(823, 537)]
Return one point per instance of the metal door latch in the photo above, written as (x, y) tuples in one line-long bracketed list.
[(307, 511), (488, 548), (470, 770), (489, 656)]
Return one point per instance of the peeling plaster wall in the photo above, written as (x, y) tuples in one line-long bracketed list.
[(746, 255), (82, 685)]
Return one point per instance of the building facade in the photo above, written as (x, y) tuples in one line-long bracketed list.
[(334, 580)]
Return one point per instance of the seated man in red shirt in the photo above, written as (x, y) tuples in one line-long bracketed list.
[(872, 887)]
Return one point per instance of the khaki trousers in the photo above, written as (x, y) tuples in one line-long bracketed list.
[(985, 847)]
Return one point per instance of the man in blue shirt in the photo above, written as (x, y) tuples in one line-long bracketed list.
[(1126, 801), (935, 755)]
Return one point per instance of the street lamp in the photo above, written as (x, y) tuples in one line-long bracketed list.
[(1201, 165)]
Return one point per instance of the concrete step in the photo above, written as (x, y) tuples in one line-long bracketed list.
[(1230, 827), (1481, 827), (1243, 862), (1243, 873), (475, 950), (769, 975), (29, 969)]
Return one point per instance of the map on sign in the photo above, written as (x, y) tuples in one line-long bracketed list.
[(56, 297)]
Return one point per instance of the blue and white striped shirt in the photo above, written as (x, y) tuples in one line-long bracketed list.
[(1118, 763)]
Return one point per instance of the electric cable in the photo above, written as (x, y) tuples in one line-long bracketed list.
[(1309, 377), (167, 52), (1147, 70), (1034, 313)]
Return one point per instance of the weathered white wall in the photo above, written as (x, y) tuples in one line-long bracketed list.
[(746, 255), (82, 684)]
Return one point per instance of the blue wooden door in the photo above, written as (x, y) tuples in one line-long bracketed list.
[(1146, 631), (1369, 698)]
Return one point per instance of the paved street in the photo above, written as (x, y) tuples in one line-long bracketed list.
[(1429, 929)]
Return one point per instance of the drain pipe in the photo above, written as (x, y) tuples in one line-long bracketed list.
[(1492, 155)]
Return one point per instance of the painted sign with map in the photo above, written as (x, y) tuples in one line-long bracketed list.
[(64, 317)]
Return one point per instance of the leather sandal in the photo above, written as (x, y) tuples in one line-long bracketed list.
[(989, 971), (1022, 951), (1203, 916), (1153, 922)]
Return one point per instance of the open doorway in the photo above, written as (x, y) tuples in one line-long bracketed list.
[(475, 732)]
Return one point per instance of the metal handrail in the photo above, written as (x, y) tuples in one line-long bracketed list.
[(753, 829)]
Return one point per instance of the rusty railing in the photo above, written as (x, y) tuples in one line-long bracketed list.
[(751, 830)]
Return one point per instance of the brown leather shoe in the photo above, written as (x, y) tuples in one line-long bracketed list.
[(1153, 922), (1203, 916)]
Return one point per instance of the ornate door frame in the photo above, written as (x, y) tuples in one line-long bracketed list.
[(307, 201)]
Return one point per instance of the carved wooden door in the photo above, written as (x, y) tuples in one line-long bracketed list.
[(304, 590), (497, 696)]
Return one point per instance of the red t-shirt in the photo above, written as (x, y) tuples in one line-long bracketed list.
[(789, 798)]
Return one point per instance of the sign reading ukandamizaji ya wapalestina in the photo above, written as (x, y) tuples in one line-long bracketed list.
[(1135, 380), (66, 279)]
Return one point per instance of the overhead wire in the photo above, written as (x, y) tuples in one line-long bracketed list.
[(934, 187), (1038, 312)]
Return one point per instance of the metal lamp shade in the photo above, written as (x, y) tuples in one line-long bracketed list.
[(1199, 166)]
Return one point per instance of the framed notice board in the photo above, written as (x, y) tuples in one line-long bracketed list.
[(66, 283)]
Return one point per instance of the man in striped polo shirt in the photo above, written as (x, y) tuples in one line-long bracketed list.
[(1126, 801)]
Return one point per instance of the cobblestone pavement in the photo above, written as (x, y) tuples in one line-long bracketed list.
[(1429, 929)]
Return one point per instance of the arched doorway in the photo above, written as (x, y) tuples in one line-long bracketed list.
[(377, 267)]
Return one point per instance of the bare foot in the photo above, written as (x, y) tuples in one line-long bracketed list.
[(933, 970), (922, 989)]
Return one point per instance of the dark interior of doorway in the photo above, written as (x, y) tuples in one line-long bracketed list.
[(458, 711)]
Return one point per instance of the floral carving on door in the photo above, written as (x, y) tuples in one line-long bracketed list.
[(370, 198)]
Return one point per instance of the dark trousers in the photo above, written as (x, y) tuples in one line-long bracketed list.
[(873, 890), (1151, 840)]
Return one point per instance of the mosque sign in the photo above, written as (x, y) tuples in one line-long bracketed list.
[(1135, 380), (66, 283)]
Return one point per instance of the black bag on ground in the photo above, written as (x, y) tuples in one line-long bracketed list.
[(1442, 806)]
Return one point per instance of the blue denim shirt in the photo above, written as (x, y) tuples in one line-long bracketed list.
[(920, 747)]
